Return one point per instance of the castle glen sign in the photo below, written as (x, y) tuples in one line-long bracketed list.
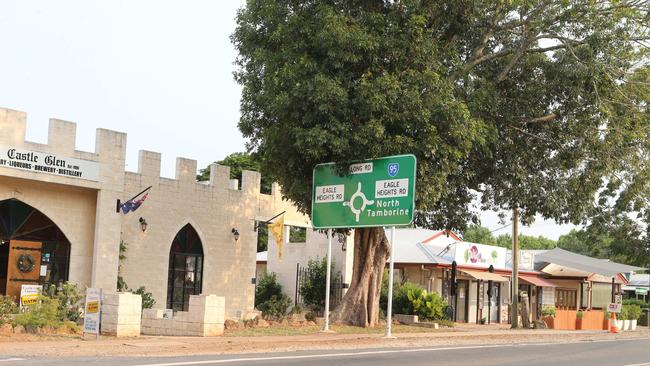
[(379, 192), (34, 161)]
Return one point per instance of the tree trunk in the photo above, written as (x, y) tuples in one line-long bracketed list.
[(360, 305)]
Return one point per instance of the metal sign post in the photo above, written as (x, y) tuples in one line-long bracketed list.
[(389, 310), (326, 327)]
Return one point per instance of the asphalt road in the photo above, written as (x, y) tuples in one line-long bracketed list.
[(634, 352)]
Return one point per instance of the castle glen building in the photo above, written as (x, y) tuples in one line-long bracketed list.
[(59, 220)]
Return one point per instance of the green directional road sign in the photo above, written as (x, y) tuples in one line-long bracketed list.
[(379, 192), (641, 291)]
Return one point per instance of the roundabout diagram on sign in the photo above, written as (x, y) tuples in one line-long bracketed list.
[(364, 202)]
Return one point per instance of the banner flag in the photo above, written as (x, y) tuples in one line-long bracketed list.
[(133, 204), (277, 229)]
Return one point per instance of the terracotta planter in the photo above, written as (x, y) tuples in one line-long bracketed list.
[(578, 323), (606, 323), (549, 321)]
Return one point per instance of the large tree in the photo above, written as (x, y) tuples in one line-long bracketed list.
[(510, 99)]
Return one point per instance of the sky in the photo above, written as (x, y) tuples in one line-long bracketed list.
[(160, 71)]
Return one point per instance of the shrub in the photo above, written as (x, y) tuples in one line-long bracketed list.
[(641, 303), (267, 287), (631, 312), (147, 297), (276, 307), (269, 298), (313, 288), (401, 302), (548, 310), (45, 313), (427, 305), (7, 309), (69, 298), (580, 314)]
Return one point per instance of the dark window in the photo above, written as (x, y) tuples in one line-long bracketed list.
[(19, 221), (185, 269), (297, 234)]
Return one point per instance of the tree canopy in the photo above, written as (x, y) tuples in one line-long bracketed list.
[(529, 105), (522, 101), (238, 162)]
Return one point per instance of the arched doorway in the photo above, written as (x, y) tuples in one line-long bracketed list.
[(33, 250), (185, 269)]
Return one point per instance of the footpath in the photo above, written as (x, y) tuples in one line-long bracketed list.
[(67, 346)]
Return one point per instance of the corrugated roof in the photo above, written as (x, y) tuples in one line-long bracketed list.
[(583, 263), (639, 280)]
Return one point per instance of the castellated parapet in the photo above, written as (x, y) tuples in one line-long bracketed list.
[(85, 211)]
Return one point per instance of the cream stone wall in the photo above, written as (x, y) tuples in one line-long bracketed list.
[(85, 211), (213, 209)]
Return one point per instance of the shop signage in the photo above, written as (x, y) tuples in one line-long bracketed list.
[(526, 260), (614, 307), (641, 291), (29, 294), (34, 161), (379, 192), (93, 310), (478, 255)]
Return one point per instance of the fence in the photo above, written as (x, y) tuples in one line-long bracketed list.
[(337, 285)]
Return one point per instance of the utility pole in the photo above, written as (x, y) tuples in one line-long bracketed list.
[(515, 268)]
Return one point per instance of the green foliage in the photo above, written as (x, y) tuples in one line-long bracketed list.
[(313, 288), (262, 236), (526, 242), (641, 303), (276, 307), (147, 297), (238, 162), (266, 288), (427, 305), (495, 97), (401, 302), (121, 283), (70, 302), (7, 309), (479, 234), (45, 313), (580, 314), (548, 310), (297, 234), (631, 312)]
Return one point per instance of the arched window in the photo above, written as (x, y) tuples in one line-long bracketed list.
[(185, 269), (20, 221)]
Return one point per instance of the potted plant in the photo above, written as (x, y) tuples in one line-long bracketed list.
[(625, 318), (579, 315), (548, 315), (606, 320), (634, 313)]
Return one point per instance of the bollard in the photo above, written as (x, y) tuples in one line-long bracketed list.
[(612, 326)]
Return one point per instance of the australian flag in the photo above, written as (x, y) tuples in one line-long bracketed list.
[(133, 204)]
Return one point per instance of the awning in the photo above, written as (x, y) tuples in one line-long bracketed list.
[(485, 276), (537, 281)]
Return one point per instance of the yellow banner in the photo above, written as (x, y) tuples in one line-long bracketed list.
[(277, 229), (92, 307), (30, 299)]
